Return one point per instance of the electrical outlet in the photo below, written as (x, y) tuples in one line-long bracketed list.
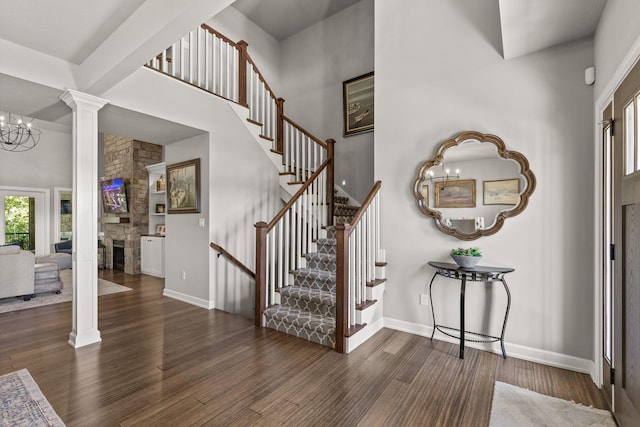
[(424, 299), (184, 275)]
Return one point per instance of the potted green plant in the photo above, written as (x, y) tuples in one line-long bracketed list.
[(466, 258)]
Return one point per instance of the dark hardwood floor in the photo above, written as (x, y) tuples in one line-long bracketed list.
[(164, 362)]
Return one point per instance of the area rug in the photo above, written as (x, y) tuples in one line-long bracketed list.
[(104, 287), (23, 404), (515, 406)]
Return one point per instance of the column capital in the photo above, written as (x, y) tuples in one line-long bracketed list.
[(74, 99)]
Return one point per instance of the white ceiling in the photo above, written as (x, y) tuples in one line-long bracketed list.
[(283, 18), (68, 29), (72, 29), (532, 25)]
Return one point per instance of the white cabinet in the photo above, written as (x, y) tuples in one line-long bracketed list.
[(152, 255)]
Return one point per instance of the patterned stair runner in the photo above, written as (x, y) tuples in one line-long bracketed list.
[(308, 307)]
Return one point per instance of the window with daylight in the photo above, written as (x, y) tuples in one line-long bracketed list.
[(630, 138)]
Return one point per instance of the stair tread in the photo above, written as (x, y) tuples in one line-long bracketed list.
[(312, 272), (326, 241), (309, 294), (301, 318), (320, 255)]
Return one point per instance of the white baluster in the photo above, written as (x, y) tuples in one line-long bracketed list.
[(272, 252), (280, 254), (235, 75), (182, 48), (287, 246), (352, 281)]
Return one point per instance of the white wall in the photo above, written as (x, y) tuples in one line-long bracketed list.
[(263, 48), (244, 190), (48, 165), (438, 74), (618, 29), (237, 188), (314, 64)]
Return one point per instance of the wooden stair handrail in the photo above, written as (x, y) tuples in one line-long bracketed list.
[(218, 34), (365, 204), (304, 131), (298, 194), (233, 259)]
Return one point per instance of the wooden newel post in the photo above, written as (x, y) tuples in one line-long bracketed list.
[(242, 72), (342, 286), (261, 271), (280, 125), (330, 178)]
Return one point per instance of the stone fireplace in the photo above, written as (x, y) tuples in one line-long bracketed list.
[(126, 158)]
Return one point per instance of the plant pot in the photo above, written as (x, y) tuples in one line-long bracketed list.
[(466, 261)]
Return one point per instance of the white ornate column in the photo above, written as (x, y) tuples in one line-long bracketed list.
[(85, 216)]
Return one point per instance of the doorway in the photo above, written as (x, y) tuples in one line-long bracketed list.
[(621, 264), (16, 204)]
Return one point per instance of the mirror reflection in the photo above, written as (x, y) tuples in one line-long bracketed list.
[(473, 184)]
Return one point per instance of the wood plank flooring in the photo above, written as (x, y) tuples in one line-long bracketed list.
[(164, 362)]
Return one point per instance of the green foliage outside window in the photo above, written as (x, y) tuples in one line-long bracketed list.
[(16, 227)]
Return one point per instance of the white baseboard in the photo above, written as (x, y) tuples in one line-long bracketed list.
[(363, 335), (531, 354), (199, 302)]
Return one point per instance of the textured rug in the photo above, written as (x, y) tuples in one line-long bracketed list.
[(23, 404), (12, 304), (515, 406)]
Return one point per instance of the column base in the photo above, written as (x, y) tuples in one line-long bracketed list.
[(85, 338)]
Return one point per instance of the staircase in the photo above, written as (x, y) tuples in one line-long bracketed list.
[(314, 280), (307, 308)]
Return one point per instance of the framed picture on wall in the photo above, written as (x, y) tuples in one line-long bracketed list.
[(183, 186), (357, 95), (456, 194), (501, 192)]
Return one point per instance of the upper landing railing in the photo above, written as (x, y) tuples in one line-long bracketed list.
[(212, 62)]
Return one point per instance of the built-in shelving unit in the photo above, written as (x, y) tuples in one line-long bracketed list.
[(152, 245), (157, 196)]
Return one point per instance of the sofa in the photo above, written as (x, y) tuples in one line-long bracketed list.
[(17, 271), (62, 256)]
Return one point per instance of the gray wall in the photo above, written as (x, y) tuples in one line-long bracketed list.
[(48, 165), (439, 73), (618, 29), (239, 187), (186, 243), (314, 64), (263, 48)]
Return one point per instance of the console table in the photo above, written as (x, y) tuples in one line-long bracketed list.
[(473, 274)]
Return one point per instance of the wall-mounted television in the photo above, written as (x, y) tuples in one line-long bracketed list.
[(65, 207), (114, 196)]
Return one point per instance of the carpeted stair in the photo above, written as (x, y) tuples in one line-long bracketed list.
[(308, 308)]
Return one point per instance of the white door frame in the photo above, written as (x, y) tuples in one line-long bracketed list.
[(56, 210), (43, 217), (625, 66)]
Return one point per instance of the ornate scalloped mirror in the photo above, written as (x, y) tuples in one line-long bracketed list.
[(473, 185)]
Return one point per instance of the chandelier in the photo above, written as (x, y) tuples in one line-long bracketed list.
[(444, 178), (17, 134)]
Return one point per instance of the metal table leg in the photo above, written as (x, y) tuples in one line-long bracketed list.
[(506, 315), (462, 289), (433, 313)]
